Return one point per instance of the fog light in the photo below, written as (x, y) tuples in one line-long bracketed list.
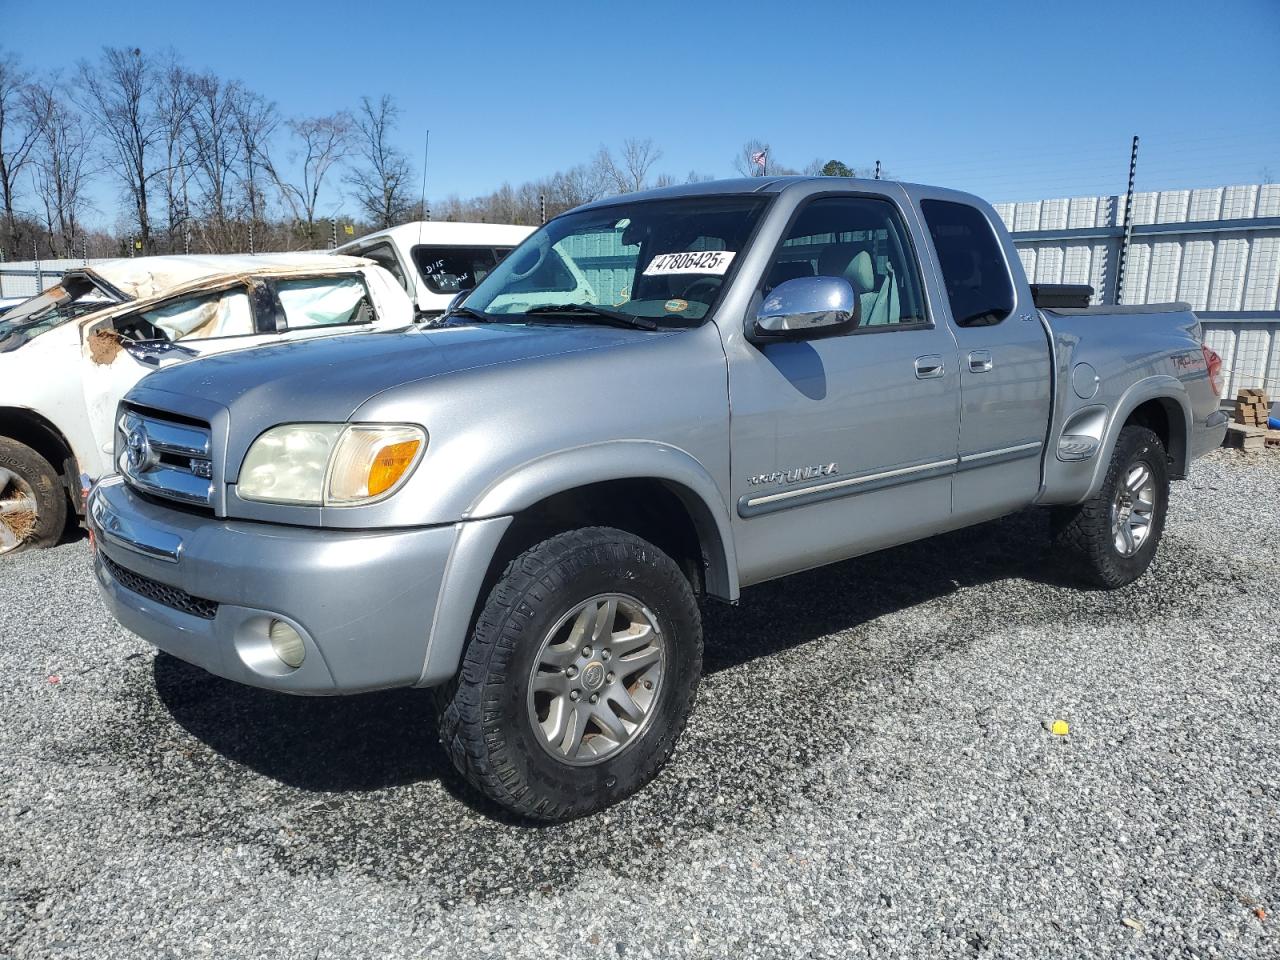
[(286, 643)]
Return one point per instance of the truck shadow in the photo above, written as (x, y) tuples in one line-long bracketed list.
[(376, 740)]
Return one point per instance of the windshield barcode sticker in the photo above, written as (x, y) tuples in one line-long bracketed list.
[(714, 262)]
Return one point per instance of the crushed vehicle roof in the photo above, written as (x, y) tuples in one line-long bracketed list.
[(436, 232), (142, 278)]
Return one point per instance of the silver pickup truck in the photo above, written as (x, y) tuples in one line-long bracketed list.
[(522, 505)]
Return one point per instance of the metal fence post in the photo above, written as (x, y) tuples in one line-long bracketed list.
[(877, 169), (35, 255), (1128, 221)]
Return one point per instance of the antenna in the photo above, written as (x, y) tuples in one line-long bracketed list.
[(422, 207)]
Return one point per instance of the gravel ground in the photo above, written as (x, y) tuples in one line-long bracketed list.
[(869, 773)]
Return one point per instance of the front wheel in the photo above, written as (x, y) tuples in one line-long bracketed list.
[(33, 505), (1115, 534), (578, 678)]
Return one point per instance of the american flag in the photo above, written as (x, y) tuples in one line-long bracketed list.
[(759, 157)]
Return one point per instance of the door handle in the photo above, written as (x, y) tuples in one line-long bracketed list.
[(929, 366), (979, 361)]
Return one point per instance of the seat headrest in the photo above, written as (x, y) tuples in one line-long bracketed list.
[(861, 273), (835, 259), (848, 261)]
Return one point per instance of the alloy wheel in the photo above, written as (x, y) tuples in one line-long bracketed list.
[(596, 679)]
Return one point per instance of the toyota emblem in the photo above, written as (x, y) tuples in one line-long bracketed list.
[(138, 448)]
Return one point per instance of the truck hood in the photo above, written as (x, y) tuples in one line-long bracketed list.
[(329, 378)]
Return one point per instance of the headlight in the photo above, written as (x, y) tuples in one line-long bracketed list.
[(330, 463)]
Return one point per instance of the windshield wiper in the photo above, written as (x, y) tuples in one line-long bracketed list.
[(597, 315), (465, 312)]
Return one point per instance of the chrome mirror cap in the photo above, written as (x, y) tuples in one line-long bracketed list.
[(807, 307)]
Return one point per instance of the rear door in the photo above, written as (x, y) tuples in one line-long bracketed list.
[(1005, 365)]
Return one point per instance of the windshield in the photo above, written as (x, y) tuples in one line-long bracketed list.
[(665, 260), (73, 298)]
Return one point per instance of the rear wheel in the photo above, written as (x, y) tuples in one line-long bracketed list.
[(1114, 535), (33, 505), (578, 678)]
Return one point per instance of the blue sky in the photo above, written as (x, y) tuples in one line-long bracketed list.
[(1011, 100)]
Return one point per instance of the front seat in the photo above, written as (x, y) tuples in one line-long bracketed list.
[(847, 261)]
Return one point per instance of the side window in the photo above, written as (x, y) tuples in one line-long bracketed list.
[(973, 269), (385, 257), (453, 269), (323, 302), (224, 314), (863, 240)]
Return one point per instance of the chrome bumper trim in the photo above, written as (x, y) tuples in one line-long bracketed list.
[(157, 544)]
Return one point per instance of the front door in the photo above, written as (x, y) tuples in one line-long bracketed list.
[(844, 444)]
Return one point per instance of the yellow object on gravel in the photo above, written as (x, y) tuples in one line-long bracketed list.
[(1060, 728)]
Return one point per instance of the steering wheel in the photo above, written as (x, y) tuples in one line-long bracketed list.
[(712, 284), (542, 249)]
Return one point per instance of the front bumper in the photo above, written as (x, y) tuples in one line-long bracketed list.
[(207, 590)]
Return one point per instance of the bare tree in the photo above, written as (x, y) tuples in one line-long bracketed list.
[(175, 100), (61, 165), (578, 185), (382, 175), (631, 171), (215, 152), (115, 97), (19, 130), (638, 158), (322, 142), (256, 121)]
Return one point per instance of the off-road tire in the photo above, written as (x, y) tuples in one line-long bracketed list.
[(46, 488), (484, 722), (1084, 532)]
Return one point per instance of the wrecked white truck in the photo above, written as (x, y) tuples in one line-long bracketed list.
[(68, 355)]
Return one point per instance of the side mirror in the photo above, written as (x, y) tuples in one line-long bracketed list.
[(807, 307)]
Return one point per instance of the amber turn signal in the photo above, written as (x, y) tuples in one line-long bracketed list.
[(389, 465)]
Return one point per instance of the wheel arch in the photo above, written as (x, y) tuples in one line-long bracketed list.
[(41, 435), (1160, 404), (622, 474)]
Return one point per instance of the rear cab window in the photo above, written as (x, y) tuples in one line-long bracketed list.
[(973, 267)]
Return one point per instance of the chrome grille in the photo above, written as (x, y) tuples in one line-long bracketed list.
[(165, 457), (160, 592)]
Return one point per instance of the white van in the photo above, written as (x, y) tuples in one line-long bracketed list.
[(437, 260)]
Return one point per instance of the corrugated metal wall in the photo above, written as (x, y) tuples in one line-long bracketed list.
[(1217, 248)]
